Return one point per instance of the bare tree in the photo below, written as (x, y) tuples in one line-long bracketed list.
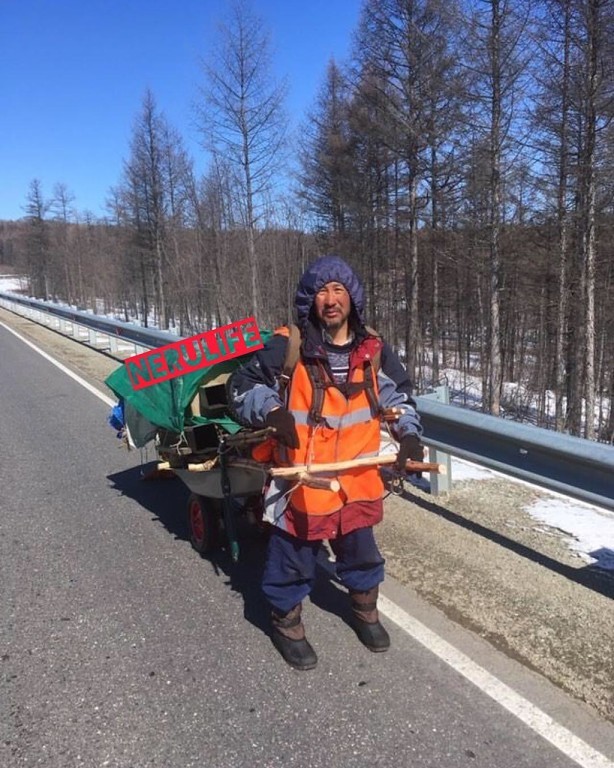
[(37, 240), (593, 82), (67, 270), (552, 118), (445, 109), (399, 52), (145, 173), (242, 119), (153, 200), (496, 57), (325, 155)]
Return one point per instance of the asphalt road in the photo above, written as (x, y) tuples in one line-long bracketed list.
[(121, 647)]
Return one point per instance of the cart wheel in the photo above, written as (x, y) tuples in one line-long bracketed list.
[(203, 523)]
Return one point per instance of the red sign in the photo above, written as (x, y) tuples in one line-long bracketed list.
[(191, 354)]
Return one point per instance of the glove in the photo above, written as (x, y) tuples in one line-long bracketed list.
[(285, 428), (410, 448)]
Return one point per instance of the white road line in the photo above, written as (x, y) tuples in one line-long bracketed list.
[(63, 368), (537, 720), (563, 739)]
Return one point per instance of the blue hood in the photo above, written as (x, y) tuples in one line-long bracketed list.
[(324, 270)]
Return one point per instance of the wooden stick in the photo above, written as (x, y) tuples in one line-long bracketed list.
[(325, 483), (205, 466), (391, 414), (369, 461), (246, 438), (301, 471)]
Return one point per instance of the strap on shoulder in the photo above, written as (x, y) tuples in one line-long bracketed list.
[(319, 383), (377, 357), (293, 351)]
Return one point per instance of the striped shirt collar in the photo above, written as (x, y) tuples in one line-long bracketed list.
[(327, 339)]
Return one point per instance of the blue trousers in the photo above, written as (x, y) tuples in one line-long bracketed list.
[(289, 571)]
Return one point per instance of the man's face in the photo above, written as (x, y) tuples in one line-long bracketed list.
[(333, 304)]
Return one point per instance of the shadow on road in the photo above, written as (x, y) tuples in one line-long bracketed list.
[(166, 499), (591, 577)]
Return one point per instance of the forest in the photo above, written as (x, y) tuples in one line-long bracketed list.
[(462, 160)]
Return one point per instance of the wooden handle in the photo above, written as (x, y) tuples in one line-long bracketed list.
[(324, 483), (204, 466), (370, 461), (391, 414), (426, 466)]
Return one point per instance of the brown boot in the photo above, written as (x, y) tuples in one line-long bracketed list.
[(289, 638), (365, 620)]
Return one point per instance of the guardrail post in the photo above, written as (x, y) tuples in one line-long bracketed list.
[(440, 483)]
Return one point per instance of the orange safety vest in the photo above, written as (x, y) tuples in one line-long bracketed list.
[(348, 429)]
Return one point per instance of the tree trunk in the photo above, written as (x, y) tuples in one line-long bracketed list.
[(562, 219), (495, 372), (588, 228), (412, 335)]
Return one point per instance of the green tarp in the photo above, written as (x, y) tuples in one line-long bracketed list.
[(165, 404)]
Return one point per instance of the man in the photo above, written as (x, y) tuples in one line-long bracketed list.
[(329, 411)]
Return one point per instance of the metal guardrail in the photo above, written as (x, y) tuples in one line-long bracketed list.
[(571, 465), (142, 338)]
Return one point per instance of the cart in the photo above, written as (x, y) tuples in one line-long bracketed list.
[(199, 439), (217, 481), (222, 481)]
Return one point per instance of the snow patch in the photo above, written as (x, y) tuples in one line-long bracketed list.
[(13, 283), (591, 529), (464, 470)]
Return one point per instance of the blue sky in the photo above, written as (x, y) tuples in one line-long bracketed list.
[(73, 74)]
